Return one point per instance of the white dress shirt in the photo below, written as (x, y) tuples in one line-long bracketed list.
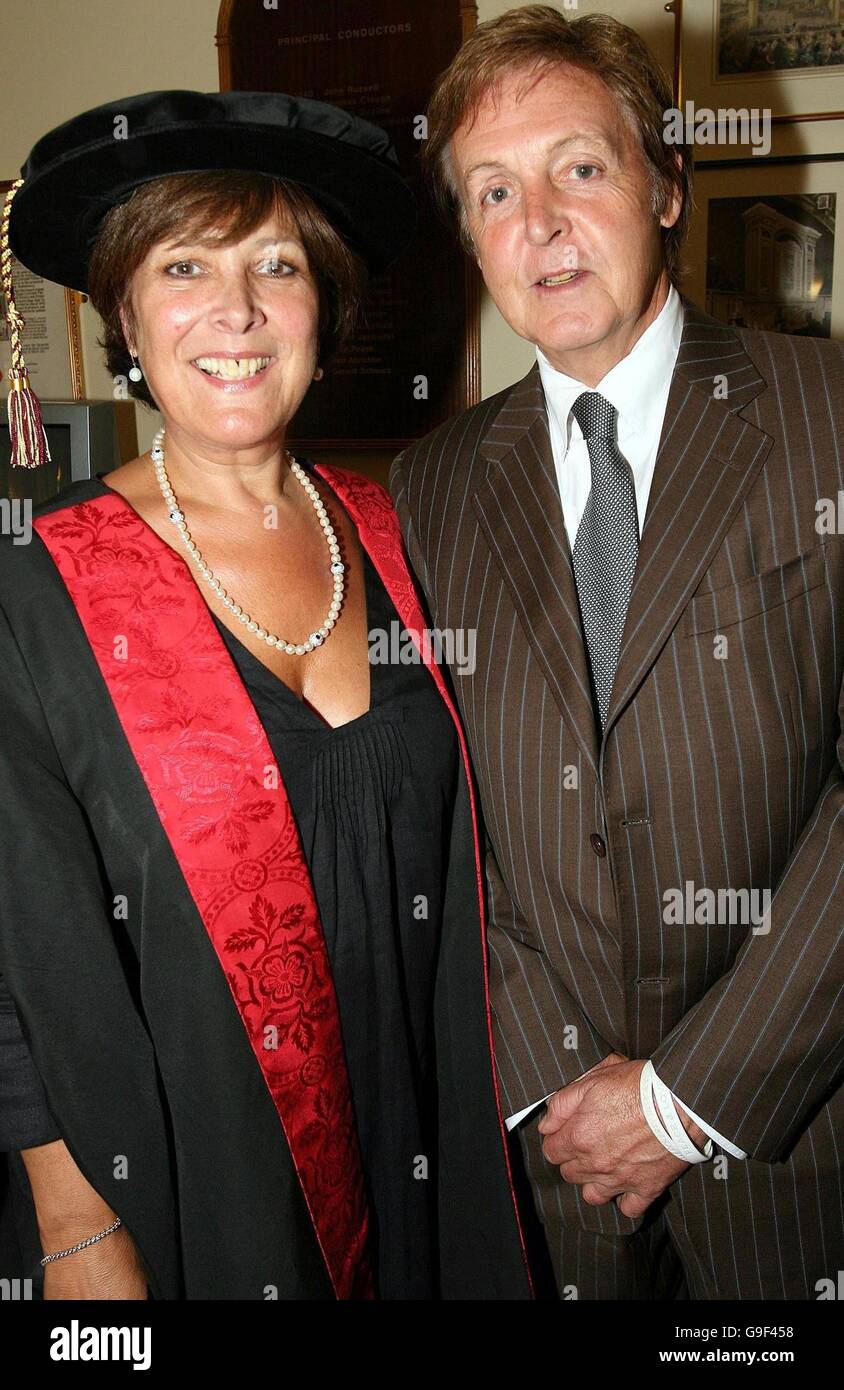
[(638, 387)]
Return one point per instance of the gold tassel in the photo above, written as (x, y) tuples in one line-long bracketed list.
[(26, 426)]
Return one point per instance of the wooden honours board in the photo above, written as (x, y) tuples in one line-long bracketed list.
[(414, 360)]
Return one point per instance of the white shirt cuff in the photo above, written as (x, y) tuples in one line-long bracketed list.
[(520, 1114), (707, 1129)]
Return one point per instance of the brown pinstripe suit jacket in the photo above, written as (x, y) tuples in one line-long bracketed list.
[(719, 767)]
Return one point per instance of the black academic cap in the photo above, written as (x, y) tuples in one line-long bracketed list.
[(87, 165), (84, 167)]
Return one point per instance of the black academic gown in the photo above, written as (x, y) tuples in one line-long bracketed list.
[(128, 1017)]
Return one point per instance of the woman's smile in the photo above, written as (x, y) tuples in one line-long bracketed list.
[(234, 373)]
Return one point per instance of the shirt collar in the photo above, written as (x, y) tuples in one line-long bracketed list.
[(635, 385)]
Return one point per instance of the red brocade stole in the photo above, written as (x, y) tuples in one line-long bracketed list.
[(210, 771)]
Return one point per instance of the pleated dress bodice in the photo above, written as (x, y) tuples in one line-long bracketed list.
[(372, 800)]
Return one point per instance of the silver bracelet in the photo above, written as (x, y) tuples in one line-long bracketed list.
[(81, 1246)]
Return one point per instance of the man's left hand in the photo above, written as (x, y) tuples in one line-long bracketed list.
[(596, 1132)]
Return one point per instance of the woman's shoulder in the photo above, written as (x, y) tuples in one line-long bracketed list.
[(82, 490), (349, 482), (24, 559), (366, 501), (127, 478)]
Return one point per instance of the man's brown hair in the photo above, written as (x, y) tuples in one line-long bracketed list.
[(220, 207), (530, 39)]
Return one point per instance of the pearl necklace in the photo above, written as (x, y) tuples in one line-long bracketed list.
[(337, 568)]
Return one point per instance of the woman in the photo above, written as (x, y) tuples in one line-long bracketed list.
[(241, 927)]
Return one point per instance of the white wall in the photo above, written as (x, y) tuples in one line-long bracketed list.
[(60, 57)]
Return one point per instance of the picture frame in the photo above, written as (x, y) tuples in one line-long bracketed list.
[(766, 243), (52, 334), (724, 60)]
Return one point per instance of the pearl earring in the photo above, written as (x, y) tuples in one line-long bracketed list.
[(135, 373)]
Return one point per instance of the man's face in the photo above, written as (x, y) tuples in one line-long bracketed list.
[(554, 181)]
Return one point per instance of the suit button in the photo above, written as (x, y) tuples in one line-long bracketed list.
[(598, 845)]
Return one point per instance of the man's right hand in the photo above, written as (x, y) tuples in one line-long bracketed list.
[(611, 1061)]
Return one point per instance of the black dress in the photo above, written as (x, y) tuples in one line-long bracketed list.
[(372, 800)]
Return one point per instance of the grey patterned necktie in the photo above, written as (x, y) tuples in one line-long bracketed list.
[(606, 546)]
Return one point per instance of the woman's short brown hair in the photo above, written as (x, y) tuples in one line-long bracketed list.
[(223, 207), (533, 37)]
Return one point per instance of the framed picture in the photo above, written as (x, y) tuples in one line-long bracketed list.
[(52, 339), (766, 245), (786, 56)]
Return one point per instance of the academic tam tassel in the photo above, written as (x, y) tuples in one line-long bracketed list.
[(26, 427)]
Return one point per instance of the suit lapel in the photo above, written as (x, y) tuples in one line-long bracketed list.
[(518, 506), (707, 460)]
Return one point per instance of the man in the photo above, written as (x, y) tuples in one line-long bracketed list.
[(634, 533)]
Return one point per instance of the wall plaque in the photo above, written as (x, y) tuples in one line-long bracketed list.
[(414, 360)]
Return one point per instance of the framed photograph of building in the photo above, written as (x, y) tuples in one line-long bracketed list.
[(765, 244), (52, 339), (786, 56)]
